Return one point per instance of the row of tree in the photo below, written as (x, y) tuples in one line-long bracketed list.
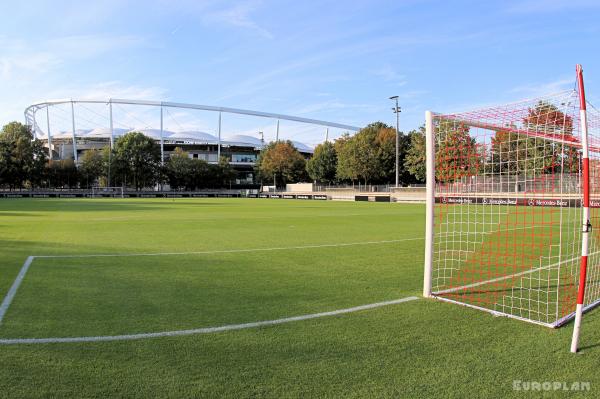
[(548, 147), (368, 156), (133, 162)]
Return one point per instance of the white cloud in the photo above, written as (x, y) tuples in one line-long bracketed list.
[(89, 46), (239, 16), (22, 62), (115, 89), (388, 74), (541, 89), (332, 105)]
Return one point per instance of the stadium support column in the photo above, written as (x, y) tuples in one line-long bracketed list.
[(326, 134), (162, 142), (49, 135), (112, 130), (586, 210), (34, 125), (277, 132), (219, 139), (73, 127), (430, 180)]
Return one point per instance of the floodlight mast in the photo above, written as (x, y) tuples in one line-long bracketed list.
[(397, 111), (586, 210)]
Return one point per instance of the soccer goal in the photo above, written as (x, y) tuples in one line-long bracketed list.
[(115, 192), (509, 191)]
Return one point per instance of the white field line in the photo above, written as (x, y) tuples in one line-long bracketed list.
[(202, 219), (227, 251), (15, 286), (510, 275), (206, 330)]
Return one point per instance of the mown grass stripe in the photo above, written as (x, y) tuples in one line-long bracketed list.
[(205, 330)]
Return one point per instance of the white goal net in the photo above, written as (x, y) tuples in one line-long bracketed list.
[(114, 192), (506, 206)]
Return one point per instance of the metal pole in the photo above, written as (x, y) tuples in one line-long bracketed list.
[(111, 143), (430, 154), (326, 134), (397, 142), (587, 227), (73, 126), (49, 135), (112, 130), (219, 139), (396, 109), (162, 148), (34, 126), (277, 134)]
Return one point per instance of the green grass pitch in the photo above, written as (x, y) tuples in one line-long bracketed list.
[(297, 263)]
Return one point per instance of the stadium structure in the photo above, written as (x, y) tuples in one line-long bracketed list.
[(70, 127)]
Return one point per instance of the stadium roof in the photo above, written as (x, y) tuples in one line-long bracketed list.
[(194, 136), (188, 137), (243, 140)]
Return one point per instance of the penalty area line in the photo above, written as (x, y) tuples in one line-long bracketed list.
[(206, 330), (227, 251), (15, 286)]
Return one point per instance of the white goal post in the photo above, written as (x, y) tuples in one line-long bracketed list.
[(512, 192), (115, 192)]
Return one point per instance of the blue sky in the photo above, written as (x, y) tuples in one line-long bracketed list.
[(331, 60)]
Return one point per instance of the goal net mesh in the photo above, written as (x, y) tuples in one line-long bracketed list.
[(507, 213), (107, 192)]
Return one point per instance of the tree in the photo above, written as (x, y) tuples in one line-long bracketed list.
[(415, 159), (39, 164), (370, 155), (457, 154), (7, 167), (535, 152), (322, 166), (20, 156), (179, 170), (369, 162), (91, 167), (225, 172), (346, 160), (200, 175), (62, 173), (549, 121), (282, 162), (136, 160)]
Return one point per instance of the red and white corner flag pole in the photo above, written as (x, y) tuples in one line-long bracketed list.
[(586, 209)]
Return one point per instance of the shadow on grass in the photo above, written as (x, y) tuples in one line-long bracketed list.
[(18, 214), (71, 205)]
